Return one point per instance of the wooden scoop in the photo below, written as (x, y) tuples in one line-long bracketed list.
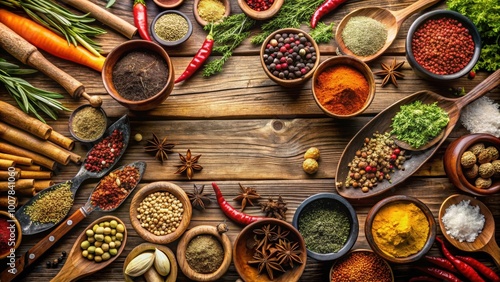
[(485, 241), (392, 20)]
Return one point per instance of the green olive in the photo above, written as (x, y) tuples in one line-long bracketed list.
[(85, 253), (120, 228), (107, 239), (112, 245), (90, 257), (119, 236), (113, 252), (90, 232), (99, 251), (99, 237), (105, 247), (94, 228), (98, 244), (107, 230), (97, 258), (85, 245), (118, 244), (99, 230), (91, 249), (113, 232), (91, 240), (106, 224), (106, 256), (113, 223)]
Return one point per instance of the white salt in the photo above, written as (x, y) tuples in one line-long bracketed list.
[(482, 116), (463, 222)]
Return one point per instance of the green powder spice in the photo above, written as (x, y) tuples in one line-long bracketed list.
[(52, 206), (171, 27), (364, 36), (324, 226), (88, 123), (204, 254)]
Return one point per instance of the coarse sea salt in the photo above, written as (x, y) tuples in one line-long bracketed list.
[(463, 222), (482, 116)]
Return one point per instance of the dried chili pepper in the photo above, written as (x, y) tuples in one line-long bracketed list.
[(141, 19), (198, 59), (442, 262), (440, 274), (232, 213), (323, 9), (481, 268), (462, 267)]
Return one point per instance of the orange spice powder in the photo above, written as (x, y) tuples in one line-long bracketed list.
[(342, 90)]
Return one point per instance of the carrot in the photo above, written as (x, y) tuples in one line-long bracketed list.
[(49, 41)]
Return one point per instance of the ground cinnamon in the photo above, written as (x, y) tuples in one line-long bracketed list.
[(342, 90)]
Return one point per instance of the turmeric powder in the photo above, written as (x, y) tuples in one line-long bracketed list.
[(400, 229)]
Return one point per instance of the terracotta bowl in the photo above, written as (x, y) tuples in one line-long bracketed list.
[(173, 189), (333, 200), (171, 43), (261, 15), (289, 82), (72, 131), (243, 252), (453, 168), (17, 231), (400, 199), (181, 253), (202, 22), (168, 4), (365, 251), (145, 247), (116, 54), (354, 62)]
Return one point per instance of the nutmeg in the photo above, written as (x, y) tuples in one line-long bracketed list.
[(493, 151), (486, 170), (472, 172), (483, 183), (496, 167), (476, 148), (484, 156), (468, 159)]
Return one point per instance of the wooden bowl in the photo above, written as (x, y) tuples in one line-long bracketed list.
[(181, 253), (17, 232), (400, 199), (202, 22), (261, 15), (333, 200), (116, 54), (453, 168), (172, 276), (347, 256), (289, 82), (176, 42), (242, 253), (351, 61), (72, 116), (168, 4), (173, 189)]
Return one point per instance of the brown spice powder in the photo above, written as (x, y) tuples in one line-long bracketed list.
[(204, 254)]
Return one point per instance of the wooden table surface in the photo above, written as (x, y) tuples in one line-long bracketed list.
[(250, 131)]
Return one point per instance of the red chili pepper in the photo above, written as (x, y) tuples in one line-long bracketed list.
[(424, 279), (442, 262), (323, 9), (481, 268), (462, 267), (198, 60), (141, 19), (233, 214), (440, 274)]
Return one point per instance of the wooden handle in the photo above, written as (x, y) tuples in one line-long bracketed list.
[(482, 88), (403, 14), (492, 249), (43, 245)]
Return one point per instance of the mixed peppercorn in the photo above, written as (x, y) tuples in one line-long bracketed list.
[(260, 5), (104, 153)]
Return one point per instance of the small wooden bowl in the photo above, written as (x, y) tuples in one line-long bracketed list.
[(72, 116), (453, 168), (181, 253), (168, 4), (171, 277), (351, 61), (17, 231), (171, 43), (388, 266), (242, 253), (261, 15), (391, 200), (173, 189), (202, 22)]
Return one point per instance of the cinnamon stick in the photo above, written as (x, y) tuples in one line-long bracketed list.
[(17, 159), (32, 143), (16, 117), (29, 167), (61, 140), (20, 184), (6, 201), (26, 174), (37, 158), (5, 175), (42, 184), (5, 164), (74, 157), (28, 192)]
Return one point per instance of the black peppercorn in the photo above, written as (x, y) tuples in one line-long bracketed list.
[(49, 264), (63, 253), (60, 259)]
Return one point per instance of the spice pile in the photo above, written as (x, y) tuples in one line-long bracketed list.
[(463, 221), (171, 27), (211, 10), (52, 206), (482, 116), (114, 188), (104, 153), (204, 254), (160, 213), (103, 241), (364, 36), (361, 266), (6, 234), (481, 164), (89, 123)]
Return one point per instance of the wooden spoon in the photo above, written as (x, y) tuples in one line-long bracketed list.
[(382, 123), (485, 241), (392, 20)]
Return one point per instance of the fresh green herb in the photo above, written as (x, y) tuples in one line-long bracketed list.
[(110, 3), (417, 123), (28, 97), (485, 14), (323, 33)]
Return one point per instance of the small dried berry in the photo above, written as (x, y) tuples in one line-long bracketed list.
[(312, 153), (310, 166), (138, 137)]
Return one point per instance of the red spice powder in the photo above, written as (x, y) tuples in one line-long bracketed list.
[(114, 188), (4, 236)]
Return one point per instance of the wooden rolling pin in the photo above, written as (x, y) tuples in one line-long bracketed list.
[(29, 55)]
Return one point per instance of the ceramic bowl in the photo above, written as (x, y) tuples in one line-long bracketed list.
[(243, 251), (261, 15), (116, 54), (161, 186), (168, 4), (347, 261), (201, 21), (16, 233), (353, 62), (289, 82), (333, 200), (438, 14), (454, 169), (394, 200), (148, 247), (186, 239), (75, 134), (167, 43)]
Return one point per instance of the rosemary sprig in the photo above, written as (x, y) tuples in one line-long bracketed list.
[(28, 97), (61, 21)]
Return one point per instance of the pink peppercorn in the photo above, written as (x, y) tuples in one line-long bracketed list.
[(104, 153), (259, 5)]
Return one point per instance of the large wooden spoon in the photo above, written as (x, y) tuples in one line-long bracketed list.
[(392, 20), (485, 241)]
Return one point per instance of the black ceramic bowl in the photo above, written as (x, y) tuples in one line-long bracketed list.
[(438, 14), (77, 135), (332, 200), (176, 42)]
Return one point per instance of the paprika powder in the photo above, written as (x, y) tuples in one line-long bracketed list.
[(4, 236), (341, 90)]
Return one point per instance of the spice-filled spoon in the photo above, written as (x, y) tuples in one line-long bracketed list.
[(391, 19), (118, 132), (120, 183), (485, 241)]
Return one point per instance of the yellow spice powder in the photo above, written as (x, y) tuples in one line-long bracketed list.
[(211, 10)]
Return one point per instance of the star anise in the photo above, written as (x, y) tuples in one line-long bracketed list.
[(189, 164), (246, 196), (287, 252), (276, 209), (279, 234), (198, 198), (264, 235), (159, 147), (267, 261), (391, 72)]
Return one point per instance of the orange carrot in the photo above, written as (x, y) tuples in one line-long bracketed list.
[(49, 41)]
